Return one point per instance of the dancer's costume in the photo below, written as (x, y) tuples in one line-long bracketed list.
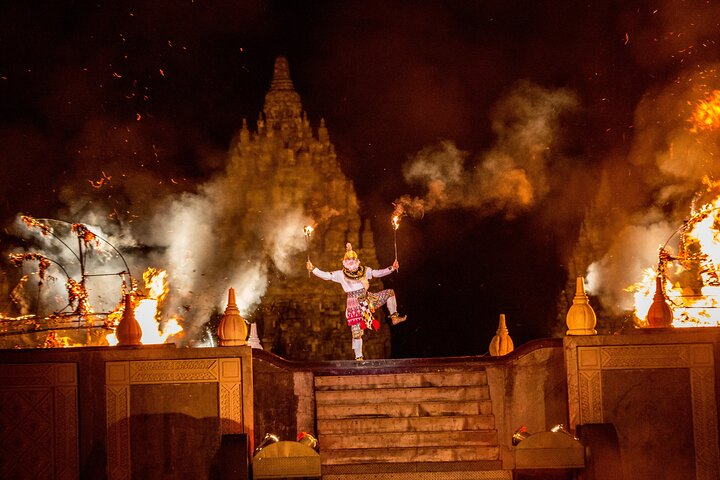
[(361, 303)]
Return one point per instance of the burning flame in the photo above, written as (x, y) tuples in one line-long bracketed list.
[(308, 230), (34, 223), (707, 113), (691, 278), (147, 311), (395, 221)]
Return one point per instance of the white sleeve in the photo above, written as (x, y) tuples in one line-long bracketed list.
[(379, 273), (321, 274), (335, 276)]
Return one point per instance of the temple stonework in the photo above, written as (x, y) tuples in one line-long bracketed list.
[(287, 169)]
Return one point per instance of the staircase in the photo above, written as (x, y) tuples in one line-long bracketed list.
[(403, 426)]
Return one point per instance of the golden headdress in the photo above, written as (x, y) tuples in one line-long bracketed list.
[(349, 252)]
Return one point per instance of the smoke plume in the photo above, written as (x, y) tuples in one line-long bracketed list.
[(206, 240), (509, 178)]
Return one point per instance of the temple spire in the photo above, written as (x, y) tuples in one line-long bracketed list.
[(283, 109)]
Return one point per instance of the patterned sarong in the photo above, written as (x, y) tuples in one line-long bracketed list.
[(361, 305)]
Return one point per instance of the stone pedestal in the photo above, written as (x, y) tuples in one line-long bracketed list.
[(658, 389)]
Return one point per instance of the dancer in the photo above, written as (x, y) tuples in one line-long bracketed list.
[(361, 303)]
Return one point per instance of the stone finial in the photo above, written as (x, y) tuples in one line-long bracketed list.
[(128, 331), (659, 314), (254, 339), (501, 344), (232, 330), (581, 319)]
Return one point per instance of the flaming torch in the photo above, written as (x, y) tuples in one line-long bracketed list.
[(395, 223), (308, 231)]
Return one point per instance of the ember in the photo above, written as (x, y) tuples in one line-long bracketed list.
[(34, 223), (84, 234)]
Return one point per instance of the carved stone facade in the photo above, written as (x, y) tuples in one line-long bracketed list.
[(287, 169), (659, 390), (39, 421), (221, 405)]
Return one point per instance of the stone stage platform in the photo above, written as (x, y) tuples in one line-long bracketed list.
[(164, 412)]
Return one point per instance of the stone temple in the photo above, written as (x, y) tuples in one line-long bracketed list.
[(286, 165)]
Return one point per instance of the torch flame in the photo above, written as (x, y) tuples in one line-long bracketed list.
[(395, 221)]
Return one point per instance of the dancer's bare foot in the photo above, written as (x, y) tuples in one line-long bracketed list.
[(396, 318)]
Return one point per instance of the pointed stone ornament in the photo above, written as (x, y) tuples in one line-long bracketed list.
[(501, 344), (232, 330), (128, 331), (253, 339), (283, 108), (581, 319), (659, 314)]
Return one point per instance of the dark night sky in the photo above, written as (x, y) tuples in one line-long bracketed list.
[(159, 88)]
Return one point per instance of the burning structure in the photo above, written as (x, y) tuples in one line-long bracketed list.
[(234, 231), (667, 228)]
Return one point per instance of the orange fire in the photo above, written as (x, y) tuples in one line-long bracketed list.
[(692, 277), (54, 341), (147, 311), (395, 221), (707, 113)]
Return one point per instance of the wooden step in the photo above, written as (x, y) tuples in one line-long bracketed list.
[(429, 379), (413, 409), (402, 395), (413, 454), (409, 439), (406, 424)]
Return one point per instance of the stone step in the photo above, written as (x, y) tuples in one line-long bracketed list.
[(402, 395), (417, 468), (406, 424), (407, 455), (445, 475), (412, 409), (428, 379), (409, 439)]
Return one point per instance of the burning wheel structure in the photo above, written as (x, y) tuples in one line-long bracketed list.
[(690, 279), (77, 318)]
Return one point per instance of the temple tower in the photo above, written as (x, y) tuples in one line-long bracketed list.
[(288, 171)]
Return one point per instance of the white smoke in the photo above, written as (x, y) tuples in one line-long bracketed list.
[(509, 178), (634, 250), (207, 241)]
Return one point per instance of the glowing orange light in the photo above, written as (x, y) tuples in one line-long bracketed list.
[(147, 311), (692, 277), (707, 113)]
